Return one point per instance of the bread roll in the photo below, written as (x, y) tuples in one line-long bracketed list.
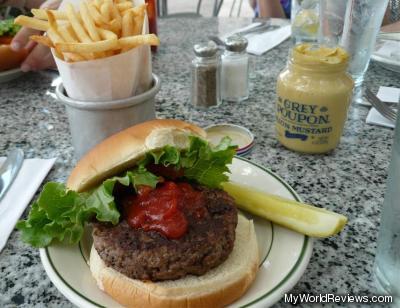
[(10, 59), (122, 150), (217, 288)]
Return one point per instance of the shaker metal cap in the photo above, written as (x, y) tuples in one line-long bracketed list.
[(236, 43), (205, 49)]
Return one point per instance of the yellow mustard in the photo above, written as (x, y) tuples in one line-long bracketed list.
[(314, 93)]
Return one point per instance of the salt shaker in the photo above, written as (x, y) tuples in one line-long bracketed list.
[(206, 67), (235, 69)]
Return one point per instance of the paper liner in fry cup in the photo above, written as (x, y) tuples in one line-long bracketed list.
[(117, 77)]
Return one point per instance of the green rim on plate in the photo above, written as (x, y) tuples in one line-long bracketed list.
[(292, 270)]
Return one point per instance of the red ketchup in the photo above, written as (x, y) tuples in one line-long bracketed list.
[(164, 208)]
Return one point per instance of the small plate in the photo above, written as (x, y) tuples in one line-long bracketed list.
[(10, 75), (241, 136), (284, 254)]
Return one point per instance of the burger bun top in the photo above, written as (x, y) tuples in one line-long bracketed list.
[(124, 149)]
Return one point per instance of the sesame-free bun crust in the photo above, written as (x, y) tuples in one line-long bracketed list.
[(122, 150), (217, 288)]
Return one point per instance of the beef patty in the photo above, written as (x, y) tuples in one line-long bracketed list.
[(149, 255)]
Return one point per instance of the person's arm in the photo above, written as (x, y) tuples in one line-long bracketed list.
[(39, 55), (394, 27), (271, 8), (386, 17), (253, 4)]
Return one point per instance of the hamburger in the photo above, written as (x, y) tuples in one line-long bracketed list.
[(164, 233), (9, 59)]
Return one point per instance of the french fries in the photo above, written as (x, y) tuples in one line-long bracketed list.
[(52, 20), (41, 39), (138, 13), (101, 28), (89, 22), (105, 10), (107, 35), (98, 3), (76, 24), (41, 14), (127, 25), (137, 40), (32, 23), (99, 46), (109, 44), (68, 34), (55, 38), (98, 18), (124, 6)]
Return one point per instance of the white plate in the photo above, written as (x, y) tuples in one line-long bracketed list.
[(385, 61), (284, 253), (10, 74)]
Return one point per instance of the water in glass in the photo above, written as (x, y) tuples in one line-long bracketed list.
[(354, 25), (305, 20), (387, 262)]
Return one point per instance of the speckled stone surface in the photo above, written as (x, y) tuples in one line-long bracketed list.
[(350, 180)]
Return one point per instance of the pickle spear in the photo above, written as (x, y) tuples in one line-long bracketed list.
[(300, 217)]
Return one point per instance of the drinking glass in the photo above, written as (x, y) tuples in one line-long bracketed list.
[(304, 20), (387, 261), (354, 25)]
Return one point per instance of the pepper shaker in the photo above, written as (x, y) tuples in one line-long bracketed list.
[(235, 69), (206, 69)]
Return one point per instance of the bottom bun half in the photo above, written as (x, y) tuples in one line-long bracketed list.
[(217, 288), (10, 59)]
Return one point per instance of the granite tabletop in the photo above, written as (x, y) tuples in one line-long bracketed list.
[(350, 180)]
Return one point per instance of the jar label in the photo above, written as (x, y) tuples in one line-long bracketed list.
[(310, 123)]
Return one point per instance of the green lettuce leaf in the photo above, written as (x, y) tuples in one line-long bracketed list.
[(202, 163), (56, 214), (210, 166), (60, 214), (7, 27)]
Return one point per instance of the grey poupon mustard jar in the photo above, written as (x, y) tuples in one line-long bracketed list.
[(314, 93)]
